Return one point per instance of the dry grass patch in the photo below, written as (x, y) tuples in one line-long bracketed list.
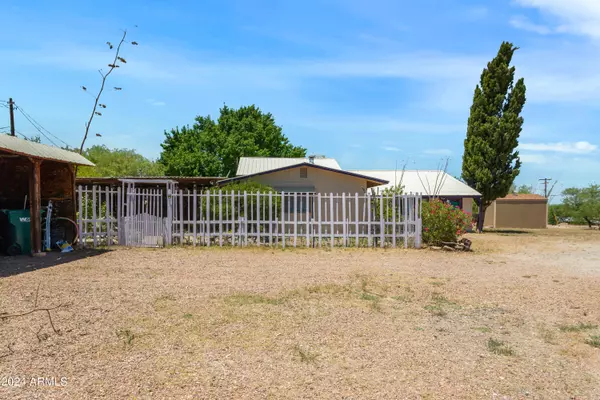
[(265, 323), (499, 347), (580, 327), (593, 341)]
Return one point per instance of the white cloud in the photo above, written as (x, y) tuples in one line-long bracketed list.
[(580, 17), (441, 152), (390, 148), (522, 22), (533, 158), (561, 147)]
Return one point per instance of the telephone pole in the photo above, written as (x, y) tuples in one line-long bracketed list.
[(11, 110), (545, 180)]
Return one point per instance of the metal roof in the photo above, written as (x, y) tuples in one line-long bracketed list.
[(14, 145), (254, 165), (426, 182), (182, 181), (373, 181)]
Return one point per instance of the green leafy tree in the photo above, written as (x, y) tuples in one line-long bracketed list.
[(523, 189), (490, 160), (583, 204), (210, 148), (118, 162), (558, 213), (253, 190)]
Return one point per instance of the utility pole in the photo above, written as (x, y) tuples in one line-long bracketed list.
[(545, 180), (11, 104)]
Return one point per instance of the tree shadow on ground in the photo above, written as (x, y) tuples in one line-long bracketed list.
[(509, 231), (16, 265)]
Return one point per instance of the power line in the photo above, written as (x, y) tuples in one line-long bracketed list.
[(40, 128), (44, 129), (36, 127)]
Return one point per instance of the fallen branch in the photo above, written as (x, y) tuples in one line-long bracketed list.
[(47, 310), (36, 295), (10, 352)]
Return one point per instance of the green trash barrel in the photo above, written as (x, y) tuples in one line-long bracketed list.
[(16, 231)]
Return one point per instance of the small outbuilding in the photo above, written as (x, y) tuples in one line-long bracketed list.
[(518, 211), (31, 175)]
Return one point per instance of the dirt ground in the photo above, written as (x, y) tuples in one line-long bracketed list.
[(517, 318)]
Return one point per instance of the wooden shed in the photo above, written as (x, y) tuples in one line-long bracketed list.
[(32, 174), (520, 211)]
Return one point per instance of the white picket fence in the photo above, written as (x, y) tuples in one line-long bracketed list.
[(155, 217)]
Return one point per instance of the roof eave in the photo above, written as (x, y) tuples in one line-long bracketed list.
[(305, 164)]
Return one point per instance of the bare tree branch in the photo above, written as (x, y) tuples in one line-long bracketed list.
[(47, 310), (113, 65)]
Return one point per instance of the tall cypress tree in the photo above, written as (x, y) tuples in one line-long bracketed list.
[(490, 160)]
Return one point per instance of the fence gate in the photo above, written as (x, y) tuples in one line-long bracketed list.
[(145, 219)]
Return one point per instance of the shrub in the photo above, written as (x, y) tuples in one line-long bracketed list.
[(443, 222), (253, 190)]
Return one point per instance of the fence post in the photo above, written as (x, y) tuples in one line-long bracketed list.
[(331, 218), (394, 198), (405, 210), (94, 216), (283, 220), (381, 222), (295, 218), (306, 215), (370, 239), (270, 218), (120, 223), (258, 218), (194, 215), (208, 218), (220, 218), (233, 230), (169, 222), (356, 217), (344, 227), (108, 213), (320, 219), (80, 216), (419, 228), (245, 218)]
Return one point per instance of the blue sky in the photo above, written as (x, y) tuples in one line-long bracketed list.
[(370, 83)]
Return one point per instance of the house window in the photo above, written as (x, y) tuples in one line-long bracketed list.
[(304, 173)]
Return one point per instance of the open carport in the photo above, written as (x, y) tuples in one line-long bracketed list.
[(32, 175)]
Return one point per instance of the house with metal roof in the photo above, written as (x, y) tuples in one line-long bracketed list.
[(428, 183), (32, 176), (304, 175)]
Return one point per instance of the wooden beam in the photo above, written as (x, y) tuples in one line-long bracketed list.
[(35, 206)]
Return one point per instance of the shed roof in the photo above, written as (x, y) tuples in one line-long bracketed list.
[(253, 165), (371, 181), (187, 180), (15, 145), (518, 197), (427, 182)]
